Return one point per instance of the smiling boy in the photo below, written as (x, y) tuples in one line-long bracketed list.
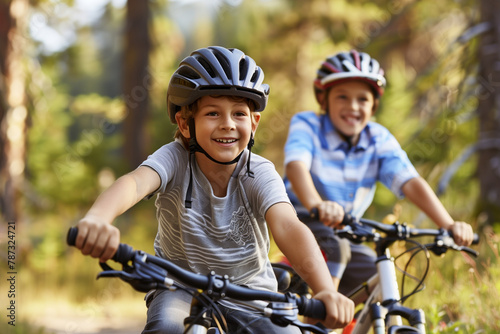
[(215, 201), (333, 161)]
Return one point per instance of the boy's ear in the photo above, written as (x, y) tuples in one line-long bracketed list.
[(255, 120), (321, 97), (376, 103), (183, 125)]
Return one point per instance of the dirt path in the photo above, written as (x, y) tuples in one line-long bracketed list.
[(107, 313), (74, 325)]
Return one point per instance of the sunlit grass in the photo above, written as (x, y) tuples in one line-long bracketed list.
[(462, 293)]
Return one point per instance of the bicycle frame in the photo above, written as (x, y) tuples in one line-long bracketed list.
[(380, 295), (383, 311)]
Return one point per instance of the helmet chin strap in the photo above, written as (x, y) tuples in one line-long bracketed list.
[(195, 147)]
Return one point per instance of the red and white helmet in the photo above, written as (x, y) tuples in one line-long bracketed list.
[(346, 66)]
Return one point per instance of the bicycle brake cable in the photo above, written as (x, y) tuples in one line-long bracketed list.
[(420, 285)]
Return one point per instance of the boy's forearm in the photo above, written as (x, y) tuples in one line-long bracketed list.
[(418, 191), (302, 184), (115, 200), (310, 264), (298, 244)]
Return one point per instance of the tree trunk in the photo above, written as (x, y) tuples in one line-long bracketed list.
[(137, 81), (489, 113), (13, 112)]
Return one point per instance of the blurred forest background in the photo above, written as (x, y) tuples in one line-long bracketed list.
[(82, 101)]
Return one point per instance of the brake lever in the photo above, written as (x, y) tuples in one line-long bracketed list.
[(138, 282), (352, 230), (142, 278), (284, 314), (358, 233), (445, 241), (317, 328)]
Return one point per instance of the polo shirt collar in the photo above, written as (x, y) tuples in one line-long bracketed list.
[(364, 138), (334, 141)]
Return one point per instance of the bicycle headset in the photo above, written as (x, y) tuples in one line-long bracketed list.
[(215, 70)]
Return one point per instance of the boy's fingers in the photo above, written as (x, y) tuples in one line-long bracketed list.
[(89, 242), (463, 234), (111, 246), (340, 310), (81, 236)]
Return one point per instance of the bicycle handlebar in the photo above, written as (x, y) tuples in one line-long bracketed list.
[(145, 276), (360, 230)]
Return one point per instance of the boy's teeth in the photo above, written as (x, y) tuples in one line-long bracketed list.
[(226, 140)]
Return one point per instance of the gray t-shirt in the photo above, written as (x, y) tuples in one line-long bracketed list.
[(228, 234)]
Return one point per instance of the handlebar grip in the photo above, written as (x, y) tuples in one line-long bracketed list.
[(475, 239), (347, 220), (123, 254), (313, 308), (71, 236)]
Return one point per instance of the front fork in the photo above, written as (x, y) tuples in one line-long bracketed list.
[(416, 319), (390, 308)]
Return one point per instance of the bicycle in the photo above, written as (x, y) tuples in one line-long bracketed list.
[(145, 272), (383, 309)]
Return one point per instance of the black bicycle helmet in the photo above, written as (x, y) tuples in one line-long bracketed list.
[(346, 66), (216, 70)]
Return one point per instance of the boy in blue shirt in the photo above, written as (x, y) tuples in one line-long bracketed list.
[(334, 159)]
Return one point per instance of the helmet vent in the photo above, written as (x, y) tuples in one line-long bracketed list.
[(206, 65), (182, 82), (255, 76), (188, 72), (224, 63), (243, 69)]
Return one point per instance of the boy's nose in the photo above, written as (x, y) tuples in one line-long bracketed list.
[(227, 123), (354, 104)]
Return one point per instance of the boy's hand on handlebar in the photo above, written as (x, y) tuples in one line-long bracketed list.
[(462, 233), (97, 238), (339, 309), (330, 213)]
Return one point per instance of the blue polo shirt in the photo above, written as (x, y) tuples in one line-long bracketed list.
[(346, 175)]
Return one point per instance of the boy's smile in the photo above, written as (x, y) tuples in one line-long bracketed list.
[(350, 107)]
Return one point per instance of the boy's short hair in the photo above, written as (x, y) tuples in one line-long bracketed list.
[(189, 111)]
